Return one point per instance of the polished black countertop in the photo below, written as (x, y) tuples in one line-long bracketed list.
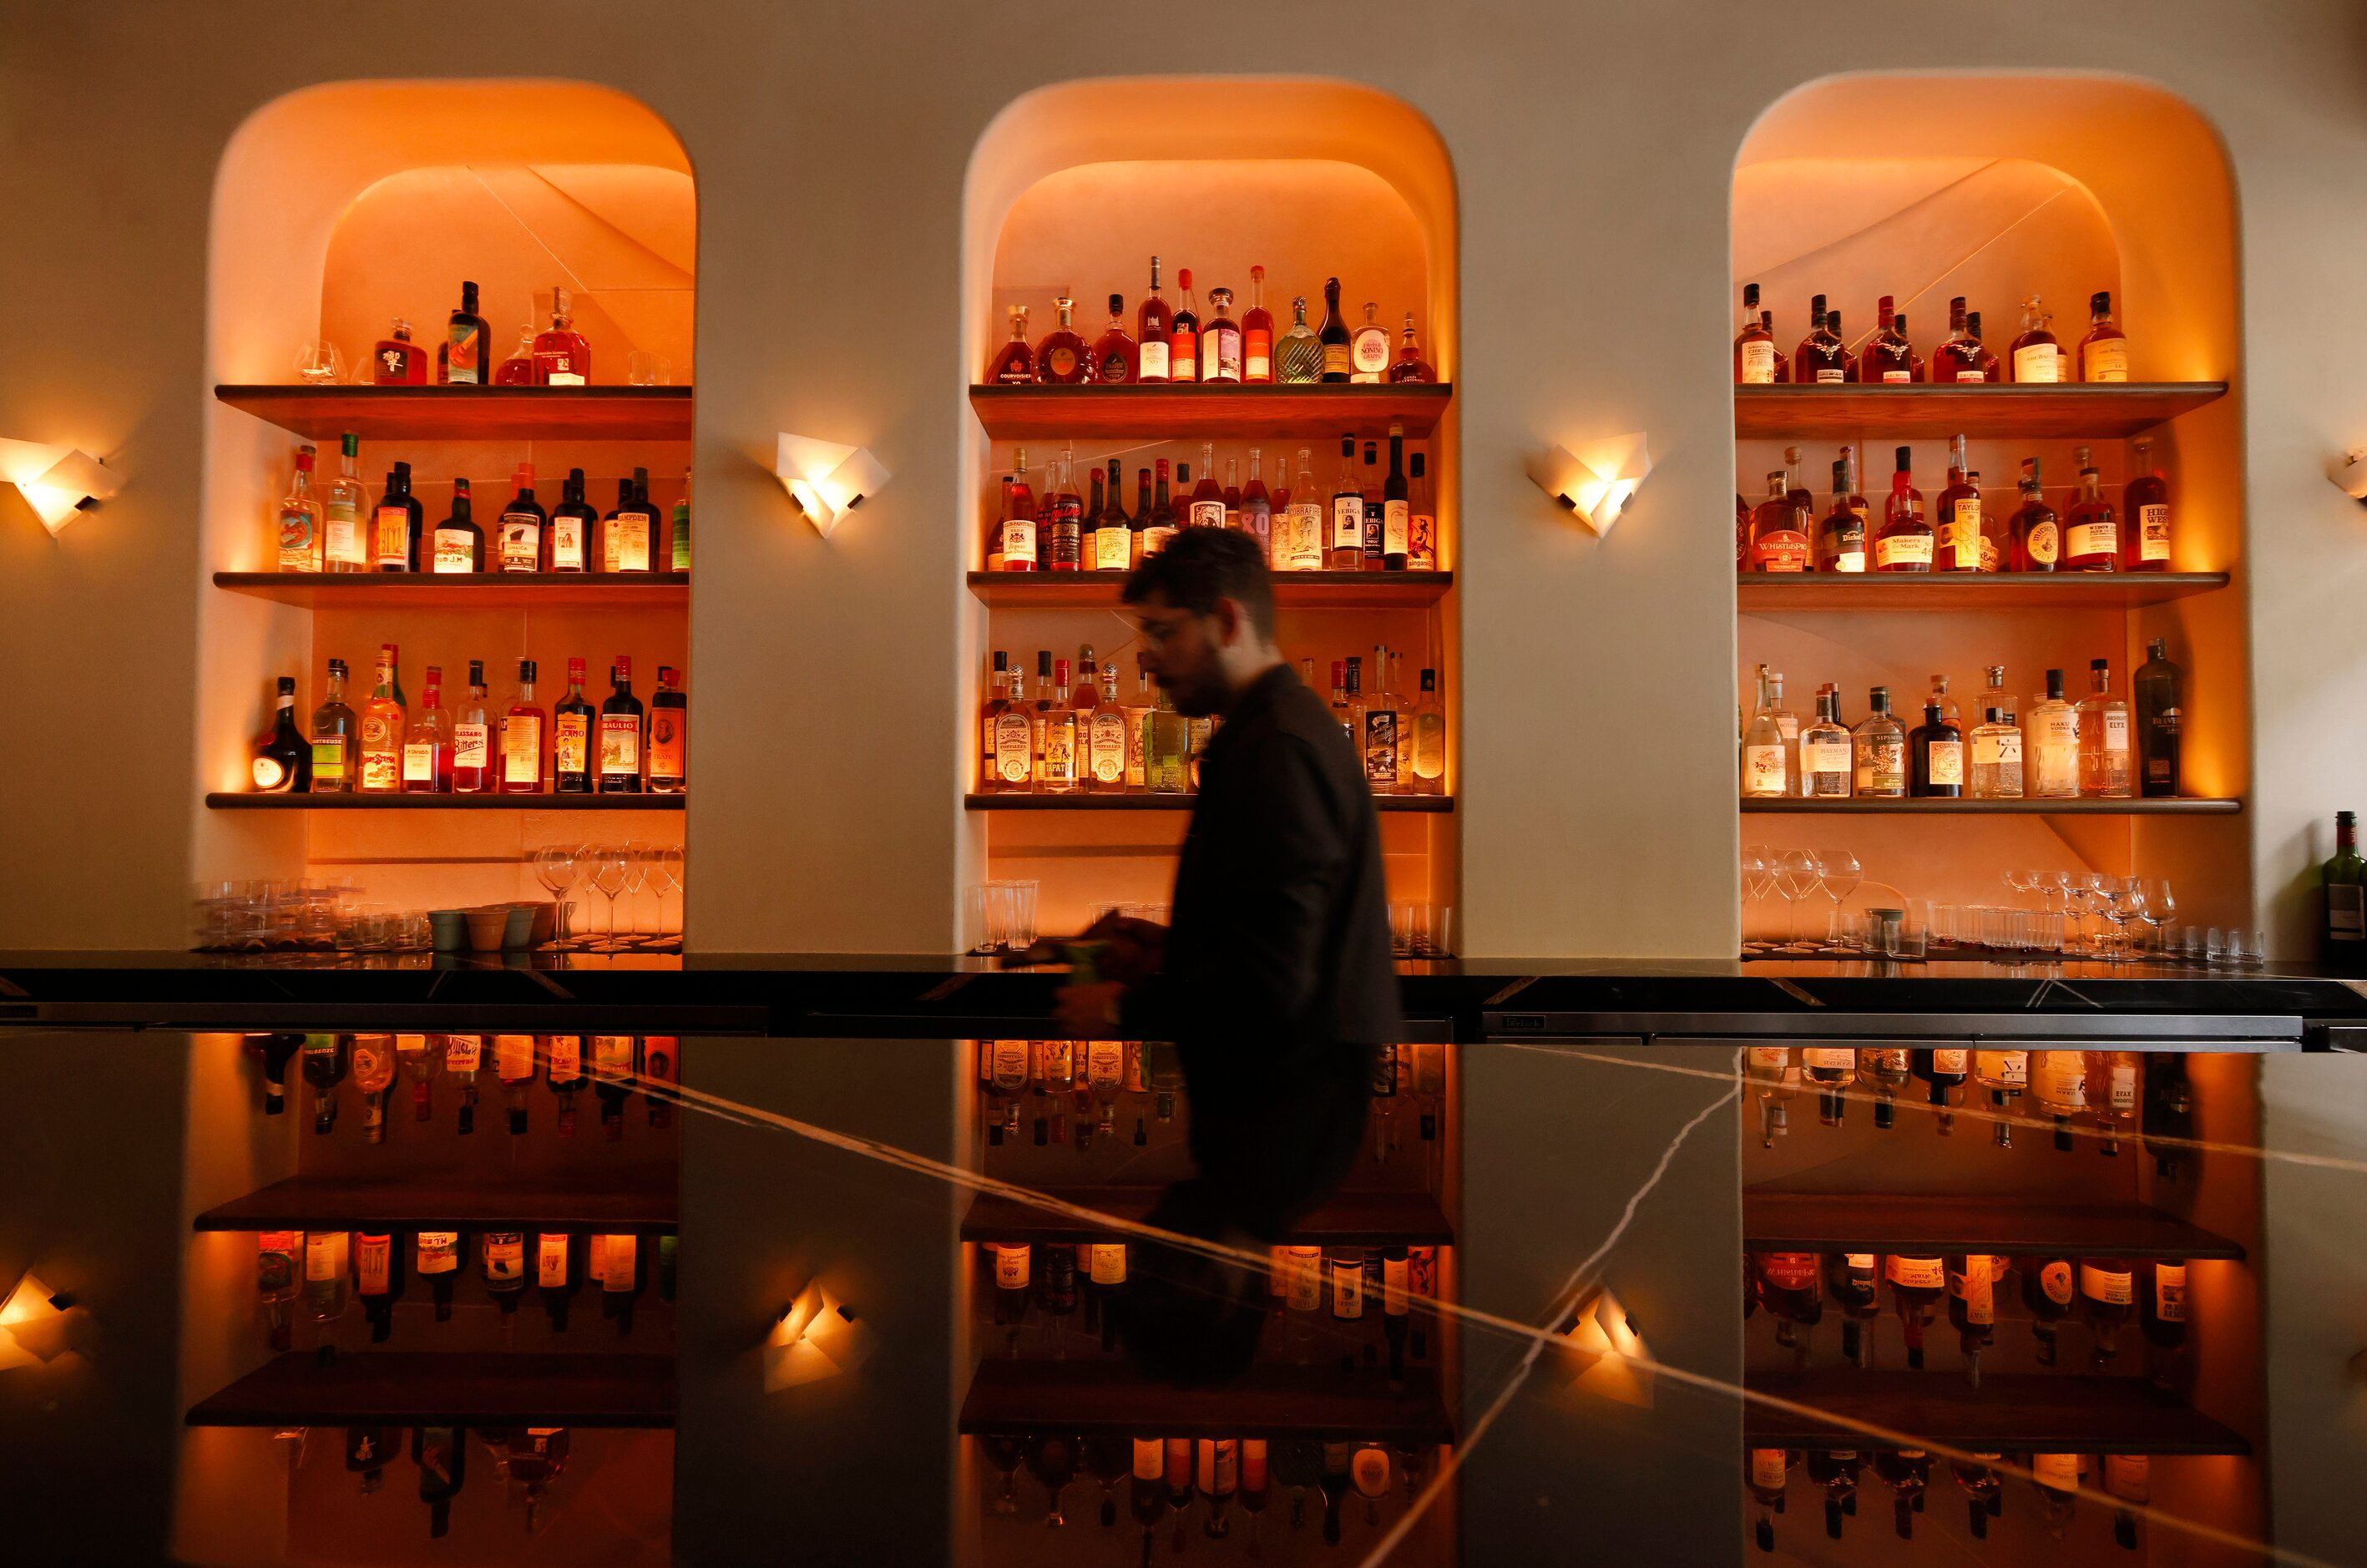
[(934, 996)]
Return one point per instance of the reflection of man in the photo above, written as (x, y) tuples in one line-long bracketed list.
[(1275, 981)]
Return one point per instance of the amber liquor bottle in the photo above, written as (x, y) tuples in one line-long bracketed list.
[(2104, 352), (1754, 345), (1062, 359), (1783, 365), (561, 358), (396, 524), (1183, 333), (1779, 531), (1992, 366), (1220, 341), (621, 718), (669, 734), (1822, 359), (1904, 540), (1840, 537), (2145, 516), (1113, 354), (572, 721), (2036, 357), (460, 358), (2037, 532), (1333, 336), (1061, 536), (2091, 535), (522, 728), (1411, 366), (398, 361), (1885, 360), (1958, 358), (1958, 510), (1151, 323), (1015, 363), (1257, 333)]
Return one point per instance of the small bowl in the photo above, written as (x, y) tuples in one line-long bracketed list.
[(451, 928), (546, 922), (486, 928), (517, 932)]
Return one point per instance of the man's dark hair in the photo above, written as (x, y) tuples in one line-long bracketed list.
[(1199, 566)]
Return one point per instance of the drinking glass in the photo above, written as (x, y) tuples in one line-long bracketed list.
[(558, 870), (1757, 877), (2128, 902), (611, 870), (645, 369), (2160, 905), (666, 873), (1843, 871), (1023, 915), (1797, 874), (977, 919), (2024, 882), (320, 364), (638, 860)]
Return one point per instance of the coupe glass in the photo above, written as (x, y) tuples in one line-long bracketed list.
[(2022, 882), (558, 870), (1842, 873)]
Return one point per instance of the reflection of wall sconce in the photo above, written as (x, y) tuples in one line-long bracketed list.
[(2349, 471), (40, 1324), (1610, 1355), (56, 481), (818, 1336), (826, 479), (1598, 482)]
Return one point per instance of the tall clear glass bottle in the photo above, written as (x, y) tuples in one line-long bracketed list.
[(2107, 771), (1825, 763), (1997, 757), (1878, 747), (2053, 738), (1767, 770), (1429, 739), (345, 529)]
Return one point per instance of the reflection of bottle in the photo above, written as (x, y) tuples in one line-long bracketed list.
[(504, 1260), (2056, 1477), (537, 1455), (2107, 1300), (555, 1275), (2129, 1478), (1217, 1474), (442, 1458), (620, 1277), (1769, 1470), (2047, 1289), (1770, 1067), (1908, 1473), (1984, 1492), (366, 1451), (462, 1053), (326, 1254), (275, 1278), (324, 1069), (2058, 1085), (1944, 1070), (1917, 1282), (2114, 1077), (2004, 1074), (514, 1065), (1836, 1471), (1856, 1290), (377, 1280), (1888, 1070), (1972, 1307), (436, 1259), (1789, 1290), (1829, 1070)]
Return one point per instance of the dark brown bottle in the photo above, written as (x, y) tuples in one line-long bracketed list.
[(1333, 334), (1935, 757)]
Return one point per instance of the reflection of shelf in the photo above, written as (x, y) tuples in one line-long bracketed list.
[(1793, 805), (1084, 802), (2093, 410), (1312, 590), (1110, 1399), (238, 801), (408, 1203), (1774, 592), (1348, 1219), (1173, 411), (1817, 1222), (469, 414), (412, 1388), (457, 590), (2045, 1412)]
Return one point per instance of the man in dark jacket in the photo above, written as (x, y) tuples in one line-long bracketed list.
[(1275, 981)]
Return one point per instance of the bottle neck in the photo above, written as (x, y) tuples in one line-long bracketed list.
[(2346, 837)]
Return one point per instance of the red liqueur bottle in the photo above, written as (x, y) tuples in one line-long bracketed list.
[(1904, 542)]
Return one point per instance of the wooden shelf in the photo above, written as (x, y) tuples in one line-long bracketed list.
[(1791, 805), (469, 414), (2096, 411), (239, 800), (1085, 802), (1347, 1219), (1776, 592), (448, 1203), (412, 1388), (1887, 1222), (1174, 412), (2021, 1413), (463, 590), (1311, 590), (1110, 1399)]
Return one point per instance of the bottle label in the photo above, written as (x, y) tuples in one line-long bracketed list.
[(1106, 1065), (566, 1059), (1788, 1270), (504, 1259), (2129, 1477), (2116, 729), (1830, 375), (1059, 753), (463, 354), (2010, 1068), (2170, 1292), (1010, 1266), (514, 1056), (1827, 757), (329, 761), (2108, 359), (470, 745), (439, 1252), (1060, 360), (1303, 552), (1347, 1287), (1108, 1263), (1381, 746), (2063, 1078), (1154, 539), (1257, 355), (626, 542), (1154, 359), (2059, 1471), (1396, 528), (343, 539), (1963, 533), (322, 1254), (1763, 770), (1421, 542), (550, 1261), (1916, 1273), (521, 541), (456, 550), (1950, 1062), (1759, 364), (1768, 1058), (1183, 355), (1018, 541), (1108, 746), (1896, 378), (393, 531), (567, 544), (522, 750), (1972, 375), (1996, 748), (1946, 761), (373, 1263), (1348, 522), (2111, 1287), (1780, 550), (462, 1053), (1111, 546), (2042, 542), (1337, 362), (620, 1255), (621, 745), (1014, 759), (666, 742), (1977, 1289), (1206, 514), (1224, 346), (570, 737), (1767, 1469), (2102, 537), (2346, 907), (1369, 353), (2153, 531), (2038, 362), (1860, 1263), (299, 537), (1829, 1058), (1902, 550), (419, 763)]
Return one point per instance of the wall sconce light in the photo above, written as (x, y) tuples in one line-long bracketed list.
[(57, 481), (1598, 482), (41, 1324), (2349, 471), (826, 479), (817, 1336), (1610, 1355)]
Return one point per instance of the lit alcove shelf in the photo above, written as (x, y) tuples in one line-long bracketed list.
[(1774, 592), (234, 800), (322, 414), (463, 590), (1307, 590), (1083, 802), (1795, 806), (2090, 411), (1193, 409)]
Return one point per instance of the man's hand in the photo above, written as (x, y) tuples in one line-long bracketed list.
[(1089, 1012), (1136, 948)]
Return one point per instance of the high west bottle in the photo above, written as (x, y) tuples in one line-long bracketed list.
[(2145, 516)]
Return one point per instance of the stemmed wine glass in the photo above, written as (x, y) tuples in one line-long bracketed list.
[(611, 870), (2023, 882), (665, 873), (639, 858), (2092, 891), (555, 866), (1797, 874), (2128, 896), (1843, 871), (2159, 907), (1757, 877)]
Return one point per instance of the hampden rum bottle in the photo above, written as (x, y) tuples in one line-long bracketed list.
[(570, 737), (620, 733), (1904, 543), (299, 518), (669, 735), (460, 358), (336, 739)]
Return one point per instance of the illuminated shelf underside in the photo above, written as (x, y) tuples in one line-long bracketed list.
[(435, 1389), (235, 800), (457, 590), (1346, 1219), (321, 414), (2096, 411), (1794, 806), (1112, 1399), (1884, 1222), (2023, 1412), (1177, 411), (1083, 802), (407, 1203), (1774, 592), (1311, 590)]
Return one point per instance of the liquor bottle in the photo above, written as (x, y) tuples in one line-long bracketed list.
[(1885, 359), (1779, 530), (1887, 1068), (1008, 763), (427, 742), (1369, 347), (2129, 1478), (282, 762), (522, 728), (1958, 510), (1822, 359), (1907, 344), (2104, 352), (2047, 1289), (2145, 516), (1167, 749), (1996, 757), (1992, 366), (1205, 508), (1257, 334), (1879, 748), (1855, 1285), (1825, 763), (1339, 362), (2114, 1077), (299, 519), (2037, 536), (460, 358), (2058, 1085), (2051, 740), (628, 534), (1829, 1070), (1908, 1472), (1384, 730), (397, 361), (1062, 359), (1108, 537), (441, 1453), (1161, 525), (1754, 345), (1783, 363), (678, 530), (1397, 511), (571, 735), (377, 1280), (620, 733), (2092, 538), (521, 526), (335, 763), (514, 1067), (1984, 1491), (1971, 1306), (419, 1061), (2106, 768), (1767, 760), (1256, 512), (1841, 537), (2342, 906), (1769, 1471), (342, 544), (561, 358), (1062, 534), (1057, 725), (1232, 493), (463, 1054), (384, 720), (1184, 333), (1220, 341), (502, 1257), (1957, 359), (617, 1264), (1299, 528), (1015, 363), (1421, 521), (556, 1277), (276, 1261), (1790, 1287), (2107, 1300), (1300, 358), (1917, 1281), (1936, 758), (2036, 358), (1105, 738), (472, 738), (1410, 366), (2163, 1319), (2004, 1074), (436, 1259), (565, 1077), (669, 734), (1346, 549), (1013, 546), (459, 544), (325, 1259), (1114, 357), (396, 524), (1904, 543), (517, 370), (1374, 515), (571, 527)]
